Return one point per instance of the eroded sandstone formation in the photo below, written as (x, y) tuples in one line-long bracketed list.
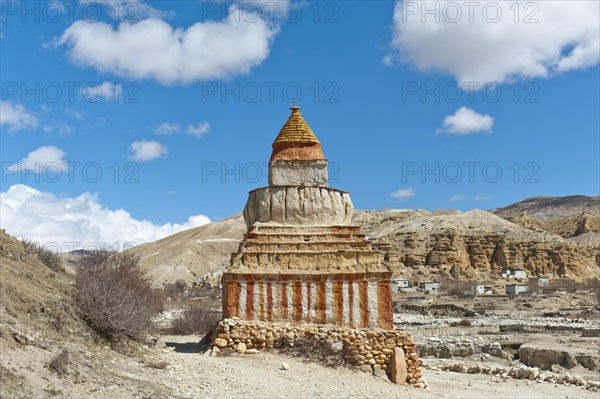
[(474, 256), (474, 244)]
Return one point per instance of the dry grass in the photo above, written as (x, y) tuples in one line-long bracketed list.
[(59, 364)]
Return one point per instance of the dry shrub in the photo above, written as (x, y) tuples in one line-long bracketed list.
[(197, 320), (115, 296), (44, 255), (59, 364)]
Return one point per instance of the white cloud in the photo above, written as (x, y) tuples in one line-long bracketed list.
[(93, 92), (77, 114), (482, 197), (65, 129), (199, 130), (147, 150), (44, 158), (16, 117), (269, 9), (153, 49), (130, 10), (457, 197), (168, 128), (46, 218), (466, 121), (403, 194), (473, 48)]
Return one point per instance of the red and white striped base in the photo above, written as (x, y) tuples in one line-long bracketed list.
[(352, 299)]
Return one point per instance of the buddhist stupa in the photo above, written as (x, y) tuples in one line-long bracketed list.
[(301, 258)]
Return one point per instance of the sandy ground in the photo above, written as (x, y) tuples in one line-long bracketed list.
[(107, 374), (194, 375)]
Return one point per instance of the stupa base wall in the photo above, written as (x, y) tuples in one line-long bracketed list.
[(390, 352), (360, 300)]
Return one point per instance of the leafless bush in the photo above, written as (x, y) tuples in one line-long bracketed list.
[(197, 320), (44, 255), (115, 295), (59, 364)]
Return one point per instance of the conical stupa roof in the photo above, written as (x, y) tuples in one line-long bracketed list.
[(295, 130)]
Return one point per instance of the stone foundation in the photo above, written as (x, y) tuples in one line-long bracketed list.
[(349, 299), (390, 352)]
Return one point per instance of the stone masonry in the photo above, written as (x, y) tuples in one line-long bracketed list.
[(392, 353)]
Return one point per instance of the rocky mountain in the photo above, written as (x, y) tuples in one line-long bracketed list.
[(416, 244), (473, 245), (576, 218), (552, 208)]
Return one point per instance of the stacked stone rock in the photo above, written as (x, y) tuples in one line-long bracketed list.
[(301, 259), (378, 351)]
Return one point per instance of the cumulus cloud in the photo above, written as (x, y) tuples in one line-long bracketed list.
[(168, 128), (198, 130), (466, 121), (153, 49), (44, 158), (130, 10), (46, 218), (147, 150), (491, 42), (16, 117), (404, 193)]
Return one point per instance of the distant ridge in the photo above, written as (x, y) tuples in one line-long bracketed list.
[(546, 235), (548, 208)]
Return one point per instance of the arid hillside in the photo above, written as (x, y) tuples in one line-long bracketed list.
[(47, 350), (473, 245), (416, 243), (551, 208), (575, 218)]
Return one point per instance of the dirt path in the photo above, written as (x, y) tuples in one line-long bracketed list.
[(104, 373), (193, 375)]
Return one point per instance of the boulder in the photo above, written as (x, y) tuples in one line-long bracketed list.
[(399, 369)]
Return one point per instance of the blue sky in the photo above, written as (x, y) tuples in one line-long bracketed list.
[(413, 110)]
